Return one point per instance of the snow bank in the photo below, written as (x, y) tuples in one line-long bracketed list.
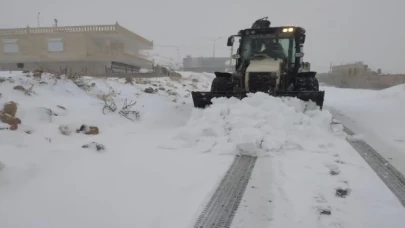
[(47, 179), (376, 114), (257, 125)]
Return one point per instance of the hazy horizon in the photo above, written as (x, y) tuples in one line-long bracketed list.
[(337, 31)]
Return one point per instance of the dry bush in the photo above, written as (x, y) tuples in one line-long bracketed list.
[(109, 103), (27, 92), (127, 112), (129, 80), (142, 81)]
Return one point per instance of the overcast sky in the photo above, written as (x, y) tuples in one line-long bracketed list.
[(338, 31)]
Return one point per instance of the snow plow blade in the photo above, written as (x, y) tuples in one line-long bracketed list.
[(203, 99)]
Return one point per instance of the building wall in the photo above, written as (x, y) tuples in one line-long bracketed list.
[(358, 75), (89, 48), (207, 64), (34, 47), (82, 67)]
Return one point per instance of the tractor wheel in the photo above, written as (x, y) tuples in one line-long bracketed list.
[(306, 84), (221, 85)]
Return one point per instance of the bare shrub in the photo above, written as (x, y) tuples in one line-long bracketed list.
[(127, 112), (109, 103)]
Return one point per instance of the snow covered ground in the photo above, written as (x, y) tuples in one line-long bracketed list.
[(49, 180), (378, 116), (159, 170)]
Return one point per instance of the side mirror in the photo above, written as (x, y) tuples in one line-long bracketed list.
[(235, 56), (302, 40), (230, 41)]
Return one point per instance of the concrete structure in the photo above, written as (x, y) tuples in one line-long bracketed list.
[(205, 64), (359, 75), (91, 50)]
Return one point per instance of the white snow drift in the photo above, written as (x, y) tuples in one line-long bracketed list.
[(378, 115), (159, 170), (257, 125)]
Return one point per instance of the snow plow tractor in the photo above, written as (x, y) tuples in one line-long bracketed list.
[(268, 60)]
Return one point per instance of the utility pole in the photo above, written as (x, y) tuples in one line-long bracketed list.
[(213, 46), (38, 18)]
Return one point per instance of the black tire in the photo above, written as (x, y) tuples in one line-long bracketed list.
[(221, 85), (306, 84)]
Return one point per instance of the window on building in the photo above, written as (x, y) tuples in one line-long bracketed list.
[(55, 45), (10, 46)]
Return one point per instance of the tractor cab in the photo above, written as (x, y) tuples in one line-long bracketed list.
[(283, 45)]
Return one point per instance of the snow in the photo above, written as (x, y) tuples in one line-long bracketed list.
[(160, 169), (298, 149), (378, 115), (49, 180)]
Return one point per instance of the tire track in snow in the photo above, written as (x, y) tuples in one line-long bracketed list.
[(221, 208), (394, 180)]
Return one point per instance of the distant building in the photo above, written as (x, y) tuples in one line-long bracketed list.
[(205, 64), (92, 50), (359, 75)]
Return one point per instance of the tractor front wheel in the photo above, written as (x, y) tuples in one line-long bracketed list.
[(221, 85), (306, 84)]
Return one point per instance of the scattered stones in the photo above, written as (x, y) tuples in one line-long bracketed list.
[(162, 88), (88, 130), (10, 108), (65, 130), (96, 146), (149, 90), (20, 88), (10, 120)]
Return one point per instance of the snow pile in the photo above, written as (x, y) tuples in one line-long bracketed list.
[(375, 114), (51, 175), (395, 92), (257, 125)]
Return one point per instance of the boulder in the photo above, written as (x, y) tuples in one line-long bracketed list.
[(20, 88), (88, 130), (10, 108), (95, 146), (10, 120), (149, 90)]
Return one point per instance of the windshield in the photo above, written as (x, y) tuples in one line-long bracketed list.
[(256, 45)]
